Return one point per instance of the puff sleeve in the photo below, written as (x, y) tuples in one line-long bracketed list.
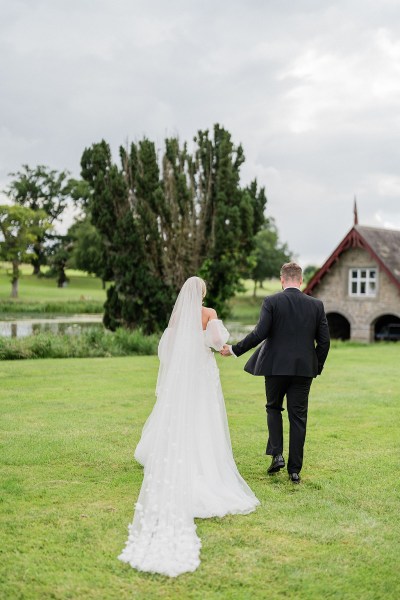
[(216, 334)]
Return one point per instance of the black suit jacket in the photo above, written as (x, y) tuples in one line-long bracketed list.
[(295, 335)]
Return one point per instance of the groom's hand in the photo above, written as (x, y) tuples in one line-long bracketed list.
[(225, 351)]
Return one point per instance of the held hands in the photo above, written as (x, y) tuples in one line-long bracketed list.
[(225, 351)]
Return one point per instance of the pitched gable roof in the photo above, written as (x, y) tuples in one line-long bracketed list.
[(386, 244), (382, 244)]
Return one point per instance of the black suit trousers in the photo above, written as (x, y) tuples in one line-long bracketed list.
[(296, 390)]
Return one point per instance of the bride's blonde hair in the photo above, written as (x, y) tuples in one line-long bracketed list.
[(203, 288)]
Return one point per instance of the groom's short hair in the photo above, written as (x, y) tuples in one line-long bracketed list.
[(291, 271)]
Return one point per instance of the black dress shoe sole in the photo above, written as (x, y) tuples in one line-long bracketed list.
[(275, 469)]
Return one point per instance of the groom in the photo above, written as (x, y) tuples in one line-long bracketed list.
[(295, 343)]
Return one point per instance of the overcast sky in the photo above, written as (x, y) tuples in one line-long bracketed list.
[(310, 88)]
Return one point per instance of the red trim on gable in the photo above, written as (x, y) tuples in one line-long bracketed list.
[(352, 240)]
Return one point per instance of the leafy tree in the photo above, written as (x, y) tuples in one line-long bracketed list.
[(20, 229), (269, 255), (59, 253), (80, 193), (309, 272), (41, 188), (88, 250)]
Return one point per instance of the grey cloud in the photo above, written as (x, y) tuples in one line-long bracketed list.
[(310, 89)]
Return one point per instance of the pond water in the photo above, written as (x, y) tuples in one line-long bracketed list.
[(73, 325), (237, 330), (76, 324)]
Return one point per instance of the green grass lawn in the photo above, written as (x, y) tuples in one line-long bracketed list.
[(84, 293), (83, 286), (42, 289), (69, 482), (245, 307)]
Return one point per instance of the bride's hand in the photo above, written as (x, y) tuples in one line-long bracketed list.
[(225, 351)]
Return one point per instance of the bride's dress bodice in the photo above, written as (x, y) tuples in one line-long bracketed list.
[(185, 448)]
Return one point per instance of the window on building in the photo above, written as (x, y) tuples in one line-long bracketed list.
[(363, 282)]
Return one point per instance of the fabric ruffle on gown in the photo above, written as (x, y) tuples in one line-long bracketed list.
[(189, 470)]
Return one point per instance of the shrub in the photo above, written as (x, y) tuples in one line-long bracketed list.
[(94, 342)]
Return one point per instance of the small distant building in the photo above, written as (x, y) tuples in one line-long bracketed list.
[(359, 283)]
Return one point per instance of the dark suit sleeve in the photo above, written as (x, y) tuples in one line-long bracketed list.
[(259, 333), (322, 338)]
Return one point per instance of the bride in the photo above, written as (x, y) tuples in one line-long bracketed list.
[(185, 448)]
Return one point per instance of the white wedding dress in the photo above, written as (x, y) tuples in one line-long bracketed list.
[(185, 448)]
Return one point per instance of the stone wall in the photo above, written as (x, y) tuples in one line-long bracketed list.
[(360, 312)]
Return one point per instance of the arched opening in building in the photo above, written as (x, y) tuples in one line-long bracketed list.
[(339, 326), (387, 327)]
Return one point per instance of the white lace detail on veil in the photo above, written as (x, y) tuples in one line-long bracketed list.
[(185, 448)]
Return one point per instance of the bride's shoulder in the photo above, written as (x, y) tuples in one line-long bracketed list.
[(211, 313)]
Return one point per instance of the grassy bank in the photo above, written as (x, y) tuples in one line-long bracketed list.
[(15, 308), (91, 343), (95, 342), (68, 484)]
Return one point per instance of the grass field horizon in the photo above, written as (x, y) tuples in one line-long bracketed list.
[(40, 296), (69, 483)]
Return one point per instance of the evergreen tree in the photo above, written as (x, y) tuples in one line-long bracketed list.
[(157, 229), (123, 208), (230, 216), (178, 226)]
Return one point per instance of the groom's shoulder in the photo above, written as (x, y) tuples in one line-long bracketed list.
[(278, 297), (312, 300), (273, 298), (314, 304)]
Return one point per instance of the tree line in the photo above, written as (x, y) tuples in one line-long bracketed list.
[(145, 224)]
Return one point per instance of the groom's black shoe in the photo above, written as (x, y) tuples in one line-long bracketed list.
[(278, 462), (294, 477)]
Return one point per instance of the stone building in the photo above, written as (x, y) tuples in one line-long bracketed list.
[(359, 283)]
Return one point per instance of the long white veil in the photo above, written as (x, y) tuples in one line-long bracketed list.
[(182, 344), (162, 537)]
